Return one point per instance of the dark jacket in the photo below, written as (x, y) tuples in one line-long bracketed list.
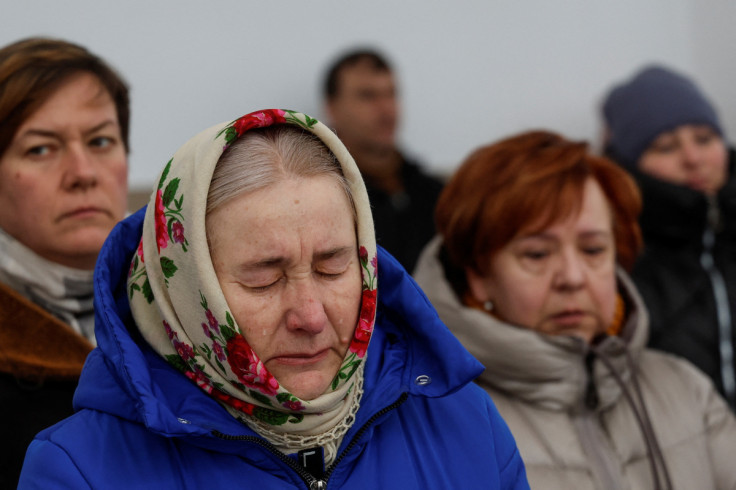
[(422, 423), (405, 222), (41, 359), (687, 274)]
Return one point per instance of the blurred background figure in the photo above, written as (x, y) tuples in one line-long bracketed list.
[(528, 272), (63, 186), (362, 106), (663, 130)]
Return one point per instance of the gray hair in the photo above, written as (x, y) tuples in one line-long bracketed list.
[(265, 156)]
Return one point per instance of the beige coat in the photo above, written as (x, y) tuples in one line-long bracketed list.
[(540, 383)]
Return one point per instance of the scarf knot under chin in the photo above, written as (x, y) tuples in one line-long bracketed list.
[(182, 313)]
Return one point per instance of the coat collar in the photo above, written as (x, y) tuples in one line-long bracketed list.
[(36, 345)]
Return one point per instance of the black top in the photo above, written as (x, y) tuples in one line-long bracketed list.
[(405, 221), (673, 274), (28, 408)]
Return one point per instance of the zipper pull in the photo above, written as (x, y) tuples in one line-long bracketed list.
[(318, 485), (313, 460)]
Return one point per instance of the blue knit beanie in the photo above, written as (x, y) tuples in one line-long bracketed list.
[(653, 101)]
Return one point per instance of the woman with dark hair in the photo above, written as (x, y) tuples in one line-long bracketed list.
[(63, 186), (664, 131), (528, 272), (245, 338)]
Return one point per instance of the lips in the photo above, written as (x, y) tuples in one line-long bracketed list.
[(698, 184), (300, 358), (569, 317), (82, 212)]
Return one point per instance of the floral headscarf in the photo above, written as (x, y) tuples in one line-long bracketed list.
[(181, 311)]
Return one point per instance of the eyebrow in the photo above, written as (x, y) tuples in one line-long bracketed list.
[(53, 134), (100, 126), (278, 261), (265, 263), (545, 236), (337, 251)]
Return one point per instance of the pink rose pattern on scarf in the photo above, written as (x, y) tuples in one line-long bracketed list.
[(363, 331), (169, 226)]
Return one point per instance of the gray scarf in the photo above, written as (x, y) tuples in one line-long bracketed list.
[(62, 291)]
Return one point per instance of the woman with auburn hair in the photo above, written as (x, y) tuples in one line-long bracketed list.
[(528, 272), (64, 116)]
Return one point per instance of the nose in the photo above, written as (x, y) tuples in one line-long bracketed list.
[(80, 169), (691, 152), (390, 106), (570, 273), (306, 310)]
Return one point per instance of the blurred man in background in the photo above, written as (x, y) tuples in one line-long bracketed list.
[(362, 106)]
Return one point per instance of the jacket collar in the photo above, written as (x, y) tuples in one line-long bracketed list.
[(674, 215), (36, 345)]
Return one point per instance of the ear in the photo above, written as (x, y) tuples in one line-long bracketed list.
[(478, 285)]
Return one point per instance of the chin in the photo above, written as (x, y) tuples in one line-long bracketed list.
[(89, 238), (586, 337), (307, 386), (309, 392), (581, 331), (78, 254)]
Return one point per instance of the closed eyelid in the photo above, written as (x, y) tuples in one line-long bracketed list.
[(337, 256), (534, 241), (258, 279), (333, 260), (597, 235), (281, 263), (334, 253)]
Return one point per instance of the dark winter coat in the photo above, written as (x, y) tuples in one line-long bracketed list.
[(687, 274), (41, 359), (405, 221)]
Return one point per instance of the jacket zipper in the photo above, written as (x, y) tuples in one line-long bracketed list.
[(600, 455), (312, 482), (723, 313), (591, 393)]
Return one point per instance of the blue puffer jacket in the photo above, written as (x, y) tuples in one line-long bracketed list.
[(141, 424)]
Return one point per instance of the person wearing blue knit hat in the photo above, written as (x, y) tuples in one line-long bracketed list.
[(662, 128)]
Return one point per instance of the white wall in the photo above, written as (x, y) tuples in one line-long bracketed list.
[(714, 55), (470, 71)]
